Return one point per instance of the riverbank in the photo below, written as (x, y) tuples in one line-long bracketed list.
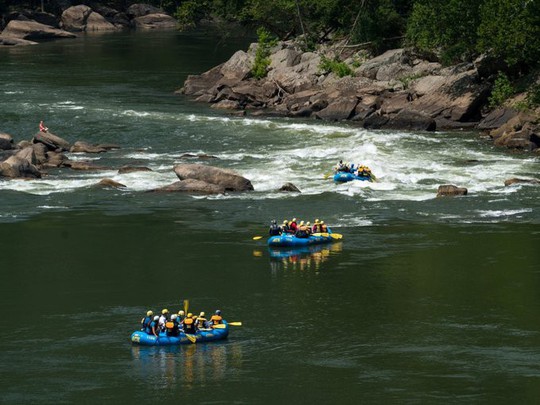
[(396, 90)]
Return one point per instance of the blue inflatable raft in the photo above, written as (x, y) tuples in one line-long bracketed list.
[(145, 339), (343, 177), (286, 239)]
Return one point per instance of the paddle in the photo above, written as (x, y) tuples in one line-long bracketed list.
[(186, 306), (257, 237), (335, 236), (328, 175), (192, 338), (223, 326)]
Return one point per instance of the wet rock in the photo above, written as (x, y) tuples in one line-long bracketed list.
[(9, 41), (497, 118), (141, 9), (412, 120), (192, 186), (341, 109), (132, 169), (451, 190), (81, 165), (227, 179), (202, 156), (110, 183), (289, 187), (84, 147), (55, 159), (517, 180)]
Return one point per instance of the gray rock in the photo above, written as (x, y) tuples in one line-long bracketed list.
[(141, 9), (156, 21), (85, 147), (342, 109), (33, 31), (131, 169), (51, 141), (497, 118), (412, 120), (110, 183), (192, 186), (289, 187), (516, 180), (448, 190), (227, 179), (18, 167)]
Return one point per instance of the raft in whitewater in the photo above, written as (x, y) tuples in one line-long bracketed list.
[(343, 177), (286, 240), (142, 338)]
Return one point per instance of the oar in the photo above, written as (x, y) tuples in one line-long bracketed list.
[(192, 338), (186, 306), (223, 326), (328, 175), (336, 236), (257, 237)]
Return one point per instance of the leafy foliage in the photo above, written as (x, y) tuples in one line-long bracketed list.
[(265, 42), (340, 69), (502, 90)]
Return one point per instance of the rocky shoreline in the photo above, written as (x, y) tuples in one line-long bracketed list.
[(395, 90), (27, 27)]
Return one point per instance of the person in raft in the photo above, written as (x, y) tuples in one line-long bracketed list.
[(201, 322), (42, 127), (342, 167), (163, 319), (172, 328), (274, 229), (189, 324), (216, 319), (146, 322), (155, 326)]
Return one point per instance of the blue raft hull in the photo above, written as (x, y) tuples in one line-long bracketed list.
[(144, 339), (343, 177), (291, 240)]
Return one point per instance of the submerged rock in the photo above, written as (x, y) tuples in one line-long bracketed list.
[(289, 187), (192, 186), (110, 183), (516, 180), (33, 31)]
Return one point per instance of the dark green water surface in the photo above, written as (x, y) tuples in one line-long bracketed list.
[(424, 301)]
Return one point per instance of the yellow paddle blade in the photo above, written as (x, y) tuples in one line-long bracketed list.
[(191, 338), (186, 306), (219, 326), (235, 323), (336, 236), (257, 237)]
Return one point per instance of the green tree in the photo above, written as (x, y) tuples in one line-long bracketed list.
[(510, 29), (446, 27)]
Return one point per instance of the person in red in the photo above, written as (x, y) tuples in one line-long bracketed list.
[(42, 127), (293, 226)]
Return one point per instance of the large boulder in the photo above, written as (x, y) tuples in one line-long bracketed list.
[(83, 18), (33, 31), (6, 141), (371, 68), (155, 22), (84, 147), (51, 141), (497, 118), (411, 120), (227, 179), (341, 109), (238, 67), (20, 165), (141, 9)]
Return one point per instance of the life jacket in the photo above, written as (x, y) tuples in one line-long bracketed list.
[(316, 228), (216, 319), (285, 229), (324, 229), (189, 326), (146, 324), (293, 226), (274, 230), (154, 325), (201, 323), (302, 232), (172, 328)]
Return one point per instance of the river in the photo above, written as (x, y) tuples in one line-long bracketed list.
[(426, 300)]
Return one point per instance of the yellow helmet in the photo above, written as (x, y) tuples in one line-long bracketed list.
[(285, 221), (181, 313), (294, 219), (308, 223), (189, 315), (149, 313), (165, 311), (301, 223), (317, 221), (201, 315), (322, 222)]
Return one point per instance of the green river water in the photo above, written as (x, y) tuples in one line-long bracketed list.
[(424, 301)]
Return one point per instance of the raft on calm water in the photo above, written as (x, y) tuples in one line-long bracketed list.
[(142, 338), (286, 239), (343, 177)]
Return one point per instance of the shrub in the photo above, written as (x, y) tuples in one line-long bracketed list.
[(265, 42), (502, 90), (341, 69)]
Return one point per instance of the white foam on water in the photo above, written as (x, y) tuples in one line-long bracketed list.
[(502, 213)]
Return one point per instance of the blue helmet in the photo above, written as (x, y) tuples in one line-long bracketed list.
[(218, 312)]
